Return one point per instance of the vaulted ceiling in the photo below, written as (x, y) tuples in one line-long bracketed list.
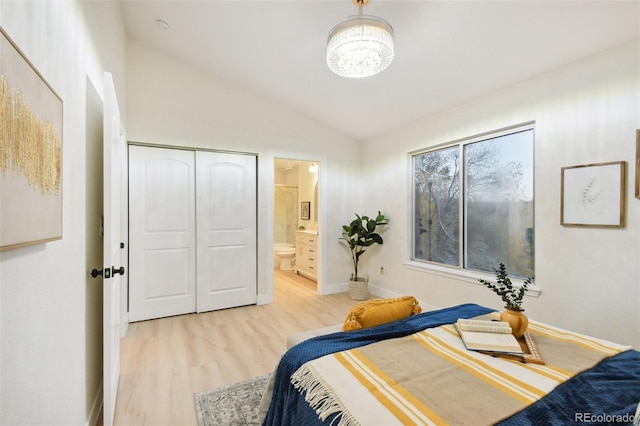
[(447, 52)]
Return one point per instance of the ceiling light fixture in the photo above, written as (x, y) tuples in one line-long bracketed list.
[(361, 46)]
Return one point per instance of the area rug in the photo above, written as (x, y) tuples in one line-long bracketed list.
[(232, 405)]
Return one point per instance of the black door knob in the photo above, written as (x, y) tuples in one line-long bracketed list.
[(106, 272), (115, 271)]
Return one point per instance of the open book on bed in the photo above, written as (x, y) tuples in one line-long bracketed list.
[(485, 335), (393, 374)]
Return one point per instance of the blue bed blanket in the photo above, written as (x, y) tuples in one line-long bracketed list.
[(608, 393), (288, 406)]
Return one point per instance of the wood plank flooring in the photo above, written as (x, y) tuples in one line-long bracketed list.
[(165, 361)]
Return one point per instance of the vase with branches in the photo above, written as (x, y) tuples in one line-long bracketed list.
[(512, 296)]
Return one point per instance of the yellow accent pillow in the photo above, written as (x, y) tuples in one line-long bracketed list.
[(380, 311)]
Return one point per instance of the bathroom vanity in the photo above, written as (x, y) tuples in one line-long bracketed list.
[(307, 254)]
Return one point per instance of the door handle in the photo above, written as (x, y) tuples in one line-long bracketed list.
[(115, 271), (106, 272)]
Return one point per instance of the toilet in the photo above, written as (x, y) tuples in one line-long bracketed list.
[(285, 256)]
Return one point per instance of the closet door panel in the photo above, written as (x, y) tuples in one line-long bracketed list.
[(162, 232), (226, 230)]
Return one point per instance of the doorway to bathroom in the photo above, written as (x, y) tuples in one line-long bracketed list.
[(295, 227)]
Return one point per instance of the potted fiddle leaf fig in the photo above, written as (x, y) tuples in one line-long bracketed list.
[(358, 235)]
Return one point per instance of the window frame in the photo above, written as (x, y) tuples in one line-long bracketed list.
[(458, 272)]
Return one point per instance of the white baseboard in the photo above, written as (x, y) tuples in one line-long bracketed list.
[(264, 299), (335, 288), (124, 326), (374, 291), (383, 292), (386, 294)]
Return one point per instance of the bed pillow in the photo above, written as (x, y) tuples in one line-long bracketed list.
[(380, 311)]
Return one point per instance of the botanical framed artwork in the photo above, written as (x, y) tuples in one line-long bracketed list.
[(305, 210), (30, 152), (593, 195), (638, 163)]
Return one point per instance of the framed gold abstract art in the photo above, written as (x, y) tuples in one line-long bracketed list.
[(30, 152)]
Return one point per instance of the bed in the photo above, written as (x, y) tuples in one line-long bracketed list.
[(417, 371)]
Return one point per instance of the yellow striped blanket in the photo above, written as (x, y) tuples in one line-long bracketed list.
[(430, 378)]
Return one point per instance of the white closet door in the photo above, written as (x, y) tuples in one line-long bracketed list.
[(162, 246), (226, 230)]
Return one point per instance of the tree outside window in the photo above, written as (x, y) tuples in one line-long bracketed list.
[(495, 215)]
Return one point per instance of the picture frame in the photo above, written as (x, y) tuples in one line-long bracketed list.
[(305, 210), (638, 163), (593, 195), (30, 152)]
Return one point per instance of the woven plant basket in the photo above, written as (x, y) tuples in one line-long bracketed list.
[(359, 290)]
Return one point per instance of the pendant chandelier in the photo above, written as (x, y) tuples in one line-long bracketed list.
[(361, 46)]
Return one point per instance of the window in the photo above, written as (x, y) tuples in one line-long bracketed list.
[(473, 203)]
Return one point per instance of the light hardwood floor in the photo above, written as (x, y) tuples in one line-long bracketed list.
[(165, 361)]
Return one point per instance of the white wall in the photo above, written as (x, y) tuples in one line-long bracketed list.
[(306, 190), (49, 346), (50, 334), (171, 103), (587, 112), (51, 363)]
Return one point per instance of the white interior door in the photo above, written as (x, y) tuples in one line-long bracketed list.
[(113, 144), (226, 230), (161, 232)]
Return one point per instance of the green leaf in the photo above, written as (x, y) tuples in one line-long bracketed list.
[(360, 234)]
